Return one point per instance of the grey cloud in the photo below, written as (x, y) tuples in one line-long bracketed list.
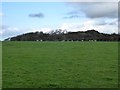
[(100, 21), (98, 9), (38, 15), (8, 31), (103, 22), (73, 13), (72, 16), (113, 23), (2, 27), (119, 11)]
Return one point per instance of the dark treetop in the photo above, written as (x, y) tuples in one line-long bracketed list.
[(63, 35)]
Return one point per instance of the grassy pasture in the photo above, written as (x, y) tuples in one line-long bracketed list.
[(0, 64), (60, 64)]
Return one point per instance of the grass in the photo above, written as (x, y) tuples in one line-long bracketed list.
[(0, 64), (60, 64)]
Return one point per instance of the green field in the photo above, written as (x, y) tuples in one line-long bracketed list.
[(60, 64), (0, 64)]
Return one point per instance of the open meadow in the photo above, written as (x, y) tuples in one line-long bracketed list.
[(0, 64), (60, 64)]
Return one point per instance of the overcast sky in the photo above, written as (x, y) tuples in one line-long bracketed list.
[(22, 17)]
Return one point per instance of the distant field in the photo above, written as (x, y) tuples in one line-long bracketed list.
[(0, 64), (60, 64)]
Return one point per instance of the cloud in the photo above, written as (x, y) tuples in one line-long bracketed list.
[(91, 0), (60, 0), (102, 26), (102, 16), (72, 16), (7, 31), (1, 14), (37, 15), (119, 11), (73, 13), (97, 9), (114, 22), (102, 21), (44, 29)]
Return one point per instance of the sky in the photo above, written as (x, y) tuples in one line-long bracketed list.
[(22, 17)]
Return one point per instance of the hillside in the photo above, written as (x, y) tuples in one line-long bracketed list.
[(63, 35)]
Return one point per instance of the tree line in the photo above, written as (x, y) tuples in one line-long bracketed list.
[(63, 35)]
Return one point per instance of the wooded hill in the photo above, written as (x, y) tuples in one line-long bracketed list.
[(63, 35)]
